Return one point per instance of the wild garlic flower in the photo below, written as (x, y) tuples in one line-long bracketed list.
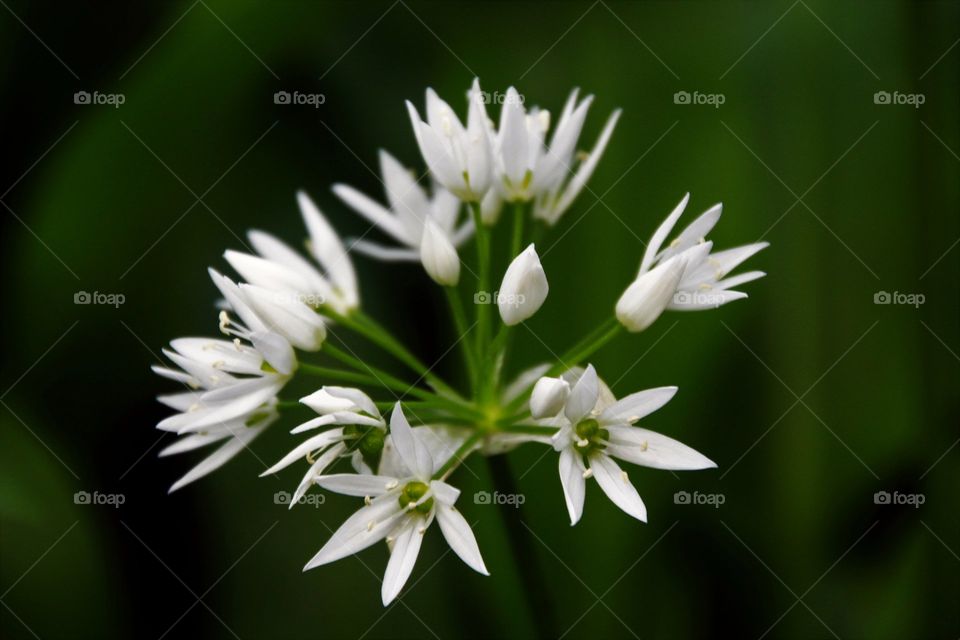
[(407, 214), (399, 509), (529, 169), (594, 428), (704, 283), (524, 288), (268, 313), (281, 269), (359, 435), (230, 399), (459, 157), (278, 313)]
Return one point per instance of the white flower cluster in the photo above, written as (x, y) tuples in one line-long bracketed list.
[(281, 310)]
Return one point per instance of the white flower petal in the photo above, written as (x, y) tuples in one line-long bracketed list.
[(438, 255), (524, 288), (413, 453), (655, 450), (353, 484), (660, 235), (548, 397), (220, 457), (406, 548), (637, 405), (460, 536), (617, 486), (301, 451), (573, 482), (369, 525), (583, 396), (326, 247)]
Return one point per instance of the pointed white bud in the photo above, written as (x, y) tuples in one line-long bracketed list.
[(644, 300), (548, 397), (438, 255), (524, 288)]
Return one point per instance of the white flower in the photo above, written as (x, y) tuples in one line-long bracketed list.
[(528, 169), (231, 399), (359, 436), (458, 156), (409, 209), (649, 295), (548, 397), (265, 312), (399, 509), (704, 284), (594, 429), (439, 256), (281, 269), (523, 289)]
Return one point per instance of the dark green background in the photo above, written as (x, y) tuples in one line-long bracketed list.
[(879, 212)]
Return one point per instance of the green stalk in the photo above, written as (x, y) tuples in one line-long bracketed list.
[(483, 262), (458, 456), (519, 215), (370, 329), (460, 320)]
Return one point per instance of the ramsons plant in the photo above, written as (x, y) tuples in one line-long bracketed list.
[(398, 456)]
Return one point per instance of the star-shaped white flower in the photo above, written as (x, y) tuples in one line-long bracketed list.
[(404, 219), (399, 508), (280, 269), (360, 435), (594, 429), (704, 283), (458, 156), (231, 399), (528, 169)]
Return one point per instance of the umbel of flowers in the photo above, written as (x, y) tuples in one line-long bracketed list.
[(397, 457)]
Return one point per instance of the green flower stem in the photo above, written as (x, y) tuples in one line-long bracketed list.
[(574, 356), (519, 215), (460, 320), (525, 555), (461, 454), (483, 262), (289, 404), (611, 328), (370, 329), (530, 429), (339, 375)]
